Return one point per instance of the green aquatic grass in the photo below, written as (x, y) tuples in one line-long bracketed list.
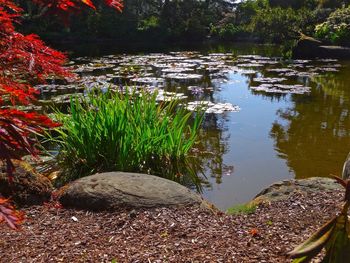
[(127, 132)]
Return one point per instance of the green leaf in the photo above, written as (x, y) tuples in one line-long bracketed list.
[(338, 247), (315, 243)]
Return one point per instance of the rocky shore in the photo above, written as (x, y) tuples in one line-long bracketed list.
[(175, 234)]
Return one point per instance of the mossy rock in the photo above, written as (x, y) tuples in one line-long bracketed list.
[(284, 189)]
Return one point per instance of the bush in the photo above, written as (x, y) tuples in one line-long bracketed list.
[(149, 23), (116, 132), (228, 31), (336, 29)]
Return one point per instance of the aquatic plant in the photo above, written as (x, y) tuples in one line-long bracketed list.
[(334, 236), (127, 132)]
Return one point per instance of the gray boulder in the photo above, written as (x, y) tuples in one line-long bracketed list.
[(284, 189), (115, 190)]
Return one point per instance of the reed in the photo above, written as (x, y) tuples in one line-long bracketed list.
[(127, 132)]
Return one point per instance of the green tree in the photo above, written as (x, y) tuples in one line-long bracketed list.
[(336, 29), (281, 24)]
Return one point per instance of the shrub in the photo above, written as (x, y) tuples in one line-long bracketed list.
[(125, 132), (228, 31), (336, 29), (149, 23)]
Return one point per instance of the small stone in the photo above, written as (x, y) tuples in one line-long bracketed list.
[(132, 214)]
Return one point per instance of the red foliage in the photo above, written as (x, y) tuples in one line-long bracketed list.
[(71, 5), (25, 60), (16, 127), (12, 217)]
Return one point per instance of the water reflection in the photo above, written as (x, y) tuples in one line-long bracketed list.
[(313, 135), (213, 145)]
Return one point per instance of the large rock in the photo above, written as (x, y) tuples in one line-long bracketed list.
[(28, 187), (284, 189), (115, 190), (334, 52), (306, 47), (309, 48)]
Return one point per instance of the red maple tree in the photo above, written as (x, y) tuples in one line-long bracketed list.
[(25, 60)]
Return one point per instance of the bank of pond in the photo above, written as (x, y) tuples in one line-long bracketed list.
[(265, 118)]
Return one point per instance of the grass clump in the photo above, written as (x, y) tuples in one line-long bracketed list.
[(242, 209), (127, 132)]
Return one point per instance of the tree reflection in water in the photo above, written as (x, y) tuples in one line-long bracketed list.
[(213, 146), (314, 134)]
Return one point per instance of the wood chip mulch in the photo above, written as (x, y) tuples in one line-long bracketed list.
[(167, 234)]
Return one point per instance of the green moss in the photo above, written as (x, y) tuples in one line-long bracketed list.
[(241, 209)]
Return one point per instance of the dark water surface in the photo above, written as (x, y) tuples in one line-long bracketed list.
[(274, 136)]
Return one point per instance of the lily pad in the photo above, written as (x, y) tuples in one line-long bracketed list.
[(183, 76), (210, 107), (177, 70), (149, 80), (269, 80), (279, 88)]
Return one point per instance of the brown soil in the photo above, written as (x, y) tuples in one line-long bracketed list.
[(167, 234)]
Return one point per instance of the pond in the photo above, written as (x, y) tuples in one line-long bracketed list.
[(267, 119)]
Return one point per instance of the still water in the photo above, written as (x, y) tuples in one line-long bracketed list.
[(270, 139), (275, 135)]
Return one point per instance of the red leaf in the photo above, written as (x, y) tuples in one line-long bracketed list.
[(9, 214), (89, 3), (117, 4), (254, 232)]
